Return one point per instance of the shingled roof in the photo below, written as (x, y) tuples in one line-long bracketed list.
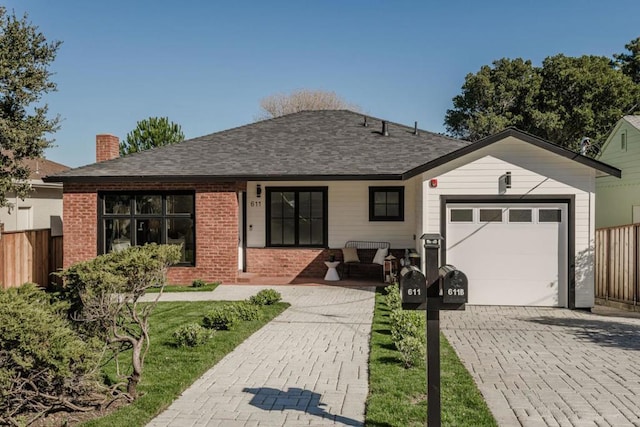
[(309, 145), (329, 144)]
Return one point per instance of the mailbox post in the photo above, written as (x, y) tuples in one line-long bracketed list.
[(440, 288)]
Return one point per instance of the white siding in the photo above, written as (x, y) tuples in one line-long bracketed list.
[(617, 196), (348, 205), (534, 171)]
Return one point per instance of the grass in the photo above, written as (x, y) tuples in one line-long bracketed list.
[(169, 370), (397, 396), (184, 288)]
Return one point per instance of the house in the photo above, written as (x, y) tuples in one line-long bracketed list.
[(618, 200), (276, 197), (43, 207)]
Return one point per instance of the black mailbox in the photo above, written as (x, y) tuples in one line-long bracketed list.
[(455, 286), (413, 288)]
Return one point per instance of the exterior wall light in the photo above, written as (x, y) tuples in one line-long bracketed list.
[(258, 191)]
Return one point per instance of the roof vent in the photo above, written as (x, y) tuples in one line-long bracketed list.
[(385, 130), (415, 128), (365, 124)]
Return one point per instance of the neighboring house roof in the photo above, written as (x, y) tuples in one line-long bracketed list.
[(633, 120), (42, 167), (309, 145)]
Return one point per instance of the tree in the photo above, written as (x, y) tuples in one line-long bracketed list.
[(150, 133), (300, 100), (25, 57), (104, 298), (563, 100), (629, 63)]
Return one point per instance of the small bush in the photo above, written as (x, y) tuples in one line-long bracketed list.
[(412, 351), (221, 318), (405, 323), (198, 283), (247, 311), (191, 335), (266, 297), (393, 299)]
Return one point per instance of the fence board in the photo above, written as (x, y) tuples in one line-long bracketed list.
[(29, 256), (616, 264)]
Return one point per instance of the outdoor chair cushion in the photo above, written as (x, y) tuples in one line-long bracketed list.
[(350, 255)]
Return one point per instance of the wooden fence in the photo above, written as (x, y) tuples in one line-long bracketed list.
[(616, 265), (29, 256)]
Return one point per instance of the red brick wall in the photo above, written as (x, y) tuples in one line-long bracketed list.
[(216, 227)]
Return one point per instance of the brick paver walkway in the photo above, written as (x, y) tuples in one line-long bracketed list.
[(550, 367), (306, 367)]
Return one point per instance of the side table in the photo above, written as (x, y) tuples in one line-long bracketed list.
[(332, 272)]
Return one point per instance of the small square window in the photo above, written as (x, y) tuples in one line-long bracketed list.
[(386, 203), (520, 215), (490, 215), (461, 215), (549, 215)]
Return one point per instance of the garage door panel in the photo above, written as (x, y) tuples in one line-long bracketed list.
[(520, 263)]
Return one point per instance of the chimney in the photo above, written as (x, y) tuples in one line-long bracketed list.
[(107, 147)]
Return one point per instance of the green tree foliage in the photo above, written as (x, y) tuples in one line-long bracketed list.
[(104, 293), (44, 364), (25, 57), (563, 100), (629, 63), (150, 133)]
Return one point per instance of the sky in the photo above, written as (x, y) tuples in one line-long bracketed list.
[(207, 64)]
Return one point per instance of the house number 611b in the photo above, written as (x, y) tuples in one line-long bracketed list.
[(256, 204)]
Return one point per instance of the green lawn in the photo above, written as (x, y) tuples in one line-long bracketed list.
[(186, 288), (169, 370), (397, 396)]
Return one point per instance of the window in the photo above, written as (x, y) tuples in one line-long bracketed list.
[(623, 140), (130, 219), (549, 215), (520, 215), (490, 215), (461, 215), (386, 203), (297, 216)]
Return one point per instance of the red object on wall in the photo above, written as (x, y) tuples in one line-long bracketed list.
[(433, 183)]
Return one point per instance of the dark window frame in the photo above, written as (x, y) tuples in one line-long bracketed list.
[(297, 190), (163, 216), (386, 189)]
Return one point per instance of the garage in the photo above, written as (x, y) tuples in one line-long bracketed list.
[(513, 253)]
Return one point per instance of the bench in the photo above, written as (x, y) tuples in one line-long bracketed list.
[(366, 252)]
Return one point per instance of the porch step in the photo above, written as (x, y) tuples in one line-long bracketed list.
[(244, 277), (257, 279)]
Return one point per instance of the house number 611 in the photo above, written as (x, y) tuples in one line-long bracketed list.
[(256, 204)]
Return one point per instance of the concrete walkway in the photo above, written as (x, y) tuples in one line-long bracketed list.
[(306, 367), (550, 367)]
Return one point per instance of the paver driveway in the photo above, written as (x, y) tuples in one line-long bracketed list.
[(306, 367), (550, 367)]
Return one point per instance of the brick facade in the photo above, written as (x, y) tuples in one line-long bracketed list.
[(216, 220)]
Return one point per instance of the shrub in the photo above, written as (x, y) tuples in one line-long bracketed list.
[(221, 318), (408, 330), (191, 335), (198, 283), (43, 361), (412, 351), (393, 299), (246, 310), (266, 297)]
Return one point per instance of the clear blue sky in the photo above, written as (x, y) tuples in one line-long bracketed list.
[(207, 64)]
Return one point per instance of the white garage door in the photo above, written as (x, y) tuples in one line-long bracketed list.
[(512, 254)]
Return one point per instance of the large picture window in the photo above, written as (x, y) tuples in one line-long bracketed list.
[(386, 203), (130, 219), (297, 216)]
